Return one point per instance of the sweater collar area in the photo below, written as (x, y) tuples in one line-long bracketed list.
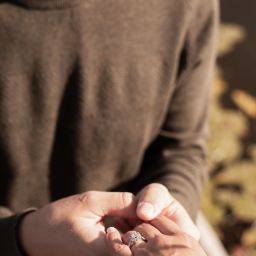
[(48, 4)]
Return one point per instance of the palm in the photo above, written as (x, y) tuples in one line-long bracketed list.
[(94, 236)]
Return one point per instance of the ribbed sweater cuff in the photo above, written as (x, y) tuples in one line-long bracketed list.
[(9, 244)]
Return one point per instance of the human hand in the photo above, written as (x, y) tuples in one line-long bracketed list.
[(155, 199), (73, 226), (163, 238)]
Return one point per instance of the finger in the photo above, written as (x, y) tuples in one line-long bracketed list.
[(183, 240), (165, 225), (176, 212), (101, 204), (147, 231), (115, 245), (155, 199), (152, 200)]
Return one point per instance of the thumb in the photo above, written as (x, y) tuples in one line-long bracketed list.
[(156, 199), (119, 204), (153, 199)]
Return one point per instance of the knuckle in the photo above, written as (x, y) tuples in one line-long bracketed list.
[(142, 226), (159, 241), (185, 239), (86, 197), (126, 198), (119, 249)]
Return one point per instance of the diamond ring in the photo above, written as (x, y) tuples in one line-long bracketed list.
[(134, 237)]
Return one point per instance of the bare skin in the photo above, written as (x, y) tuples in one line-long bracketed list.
[(165, 204), (155, 199), (73, 226), (164, 238)]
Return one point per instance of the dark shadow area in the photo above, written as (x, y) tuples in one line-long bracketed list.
[(6, 177), (62, 175)]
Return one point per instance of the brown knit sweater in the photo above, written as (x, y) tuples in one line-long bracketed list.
[(102, 95)]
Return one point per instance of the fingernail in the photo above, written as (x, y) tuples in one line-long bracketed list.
[(147, 209), (111, 230)]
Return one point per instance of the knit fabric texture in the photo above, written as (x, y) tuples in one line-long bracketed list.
[(102, 95)]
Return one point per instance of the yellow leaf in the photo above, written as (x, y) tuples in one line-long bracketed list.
[(245, 102), (249, 237), (230, 35), (219, 87)]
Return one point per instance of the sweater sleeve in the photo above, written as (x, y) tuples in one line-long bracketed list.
[(9, 242), (177, 157)]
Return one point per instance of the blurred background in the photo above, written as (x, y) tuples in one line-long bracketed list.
[(229, 201)]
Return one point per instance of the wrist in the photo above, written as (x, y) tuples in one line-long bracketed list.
[(22, 236)]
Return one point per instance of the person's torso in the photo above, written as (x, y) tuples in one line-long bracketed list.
[(83, 92)]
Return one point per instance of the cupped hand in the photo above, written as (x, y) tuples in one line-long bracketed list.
[(73, 226), (163, 238), (155, 199)]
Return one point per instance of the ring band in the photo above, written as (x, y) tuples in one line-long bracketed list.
[(134, 237)]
